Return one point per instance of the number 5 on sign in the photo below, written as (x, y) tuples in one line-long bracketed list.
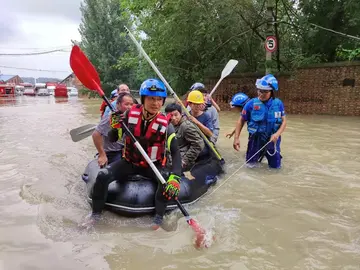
[(270, 44)]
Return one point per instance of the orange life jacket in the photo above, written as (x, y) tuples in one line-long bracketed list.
[(104, 105), (153, 141)]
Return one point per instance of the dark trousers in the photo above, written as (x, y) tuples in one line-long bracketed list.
[(271, 152), (120, 170), (113, 156)]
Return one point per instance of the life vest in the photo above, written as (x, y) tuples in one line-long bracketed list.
[(263, 119), (114, 123), (104, 105), (153, 142)]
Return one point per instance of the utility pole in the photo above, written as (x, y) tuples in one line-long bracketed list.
[(270, 42)]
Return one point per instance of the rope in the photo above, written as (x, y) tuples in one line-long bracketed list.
[(273, 154), (223, 183)]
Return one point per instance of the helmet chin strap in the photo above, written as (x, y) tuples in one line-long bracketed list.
[(147, 114)]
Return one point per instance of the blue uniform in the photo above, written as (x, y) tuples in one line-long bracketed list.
[(263, 120)]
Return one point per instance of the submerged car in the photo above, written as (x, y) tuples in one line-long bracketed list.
[(29, 92), (43, 92), (72, 91)]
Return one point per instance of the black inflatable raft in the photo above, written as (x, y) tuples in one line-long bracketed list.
[(136, 196)]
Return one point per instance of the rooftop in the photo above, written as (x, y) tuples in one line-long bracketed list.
[(6, 77)]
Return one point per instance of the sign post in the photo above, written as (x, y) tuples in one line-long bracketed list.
[(270, 44), (270, 47)]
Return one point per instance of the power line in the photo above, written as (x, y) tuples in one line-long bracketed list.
[(336, 32), (29, 50), (33, 53), (287, 8), (37, 69), (43, 48)]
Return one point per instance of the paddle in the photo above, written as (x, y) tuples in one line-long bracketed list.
[(211, 146), (89, 77), (80, 133), (226, 71)]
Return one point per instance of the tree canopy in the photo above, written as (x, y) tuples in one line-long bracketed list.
[(191, 39)]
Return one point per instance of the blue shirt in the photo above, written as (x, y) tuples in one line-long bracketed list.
[(206, 120), (246, 112), (214, 115)]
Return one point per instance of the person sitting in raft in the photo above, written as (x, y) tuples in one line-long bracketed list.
[(266, 121), (153, 131), (123, 88), (237, 102), (211, 107), (197, 115), (114, 94), (190, 142), (209, 101), (110, 151), (200, 118)]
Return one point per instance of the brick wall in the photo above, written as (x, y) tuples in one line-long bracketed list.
[(332, 89)]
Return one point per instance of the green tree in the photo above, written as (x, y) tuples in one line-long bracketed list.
[(339, 15), (103, 40), (190, 39)]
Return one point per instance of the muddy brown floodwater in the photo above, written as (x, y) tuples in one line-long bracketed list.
[(304, 216)]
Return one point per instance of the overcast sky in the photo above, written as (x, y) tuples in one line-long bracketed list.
[(28, 26)]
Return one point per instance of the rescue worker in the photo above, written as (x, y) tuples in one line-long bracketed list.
[(211, 107), (237, 102), (150, 127), (110, 151), (189, 140), (266, 121)]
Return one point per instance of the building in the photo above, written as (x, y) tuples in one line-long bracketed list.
[(10, 79), (72, 81)]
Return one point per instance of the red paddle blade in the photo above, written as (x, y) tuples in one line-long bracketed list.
[(84, 70), (201, 236)]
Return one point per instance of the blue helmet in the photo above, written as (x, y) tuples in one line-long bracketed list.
[(153, 88), (114, 93), (239, 100), (197, 86), (268, 82)]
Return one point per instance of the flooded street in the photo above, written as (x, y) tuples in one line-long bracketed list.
[(304, 216)]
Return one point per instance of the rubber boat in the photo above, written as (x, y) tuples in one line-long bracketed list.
[(135, 197)]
